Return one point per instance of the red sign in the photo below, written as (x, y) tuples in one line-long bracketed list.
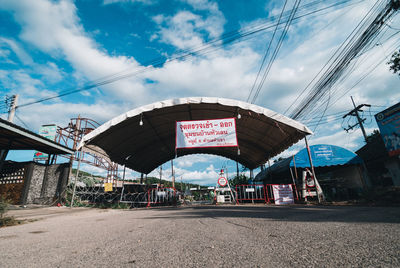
[(222, 181)]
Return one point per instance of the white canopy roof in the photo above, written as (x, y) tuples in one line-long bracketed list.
[(261, 133)]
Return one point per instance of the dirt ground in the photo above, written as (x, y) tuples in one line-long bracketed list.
[(204, 236)]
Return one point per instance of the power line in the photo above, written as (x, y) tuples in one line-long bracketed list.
[(372, 23), (277, 48), (266, 53), (26, 126), (379, 63), (229, 38)]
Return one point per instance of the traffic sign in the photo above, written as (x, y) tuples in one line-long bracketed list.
[(222, 181)]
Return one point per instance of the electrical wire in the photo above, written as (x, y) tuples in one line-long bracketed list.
[(224, 40), (366, 31), (276, 51), (332, 59), (26, 126), (266, 52), (369, 72)]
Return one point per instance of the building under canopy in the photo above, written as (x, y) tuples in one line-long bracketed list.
[(144, 138), (29, 182), (335, 167)]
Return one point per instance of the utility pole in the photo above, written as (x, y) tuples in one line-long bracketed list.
[(11, 113), (13, 107), (360, 120)]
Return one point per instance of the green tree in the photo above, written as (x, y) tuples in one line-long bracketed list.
[(374, 135), (242, 179), (394, 62)]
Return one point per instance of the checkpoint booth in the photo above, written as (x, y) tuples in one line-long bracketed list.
[(146, 137), (339, 171)]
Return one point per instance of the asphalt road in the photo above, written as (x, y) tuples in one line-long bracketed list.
[(222, 236)]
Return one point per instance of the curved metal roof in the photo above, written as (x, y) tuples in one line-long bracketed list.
[(323, 155), (261, 133)]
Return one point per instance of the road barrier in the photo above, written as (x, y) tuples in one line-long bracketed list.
[(161, 196), (259, 192), (135, 195), (250, 192)]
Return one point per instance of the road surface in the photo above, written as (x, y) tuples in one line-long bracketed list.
[(211, 236)]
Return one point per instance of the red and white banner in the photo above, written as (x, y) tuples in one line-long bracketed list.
[(206, 133), (283, 194)]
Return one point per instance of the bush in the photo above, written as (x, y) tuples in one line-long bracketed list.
[(6, 221), (3, 207)]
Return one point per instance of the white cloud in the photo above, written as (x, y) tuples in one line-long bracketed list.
[(60, 113), (146, 2), (55, 28), (16, 48), (207, 176), (50, 72), (190, 160), (224, 75), (185, 30)]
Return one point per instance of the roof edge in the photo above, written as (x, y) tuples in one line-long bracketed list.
[(194, 100)]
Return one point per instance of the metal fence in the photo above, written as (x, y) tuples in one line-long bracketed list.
[(161, 196), (250, 192), (135, 195), (259, 192)]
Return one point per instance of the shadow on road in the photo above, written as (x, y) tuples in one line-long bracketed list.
[(287, 213)]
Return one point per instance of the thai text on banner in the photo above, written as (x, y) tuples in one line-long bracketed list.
[(206, 133)]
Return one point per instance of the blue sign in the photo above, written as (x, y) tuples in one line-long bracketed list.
[(389, 125), (49, 132)]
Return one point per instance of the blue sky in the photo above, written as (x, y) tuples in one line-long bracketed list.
[(47, 47)]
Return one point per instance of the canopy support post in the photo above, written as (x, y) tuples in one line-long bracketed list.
[(320, 194), (123, 184), (294, 184), (160, 175), (76, 176), (172, 173), (295, 168), (237, 169)]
